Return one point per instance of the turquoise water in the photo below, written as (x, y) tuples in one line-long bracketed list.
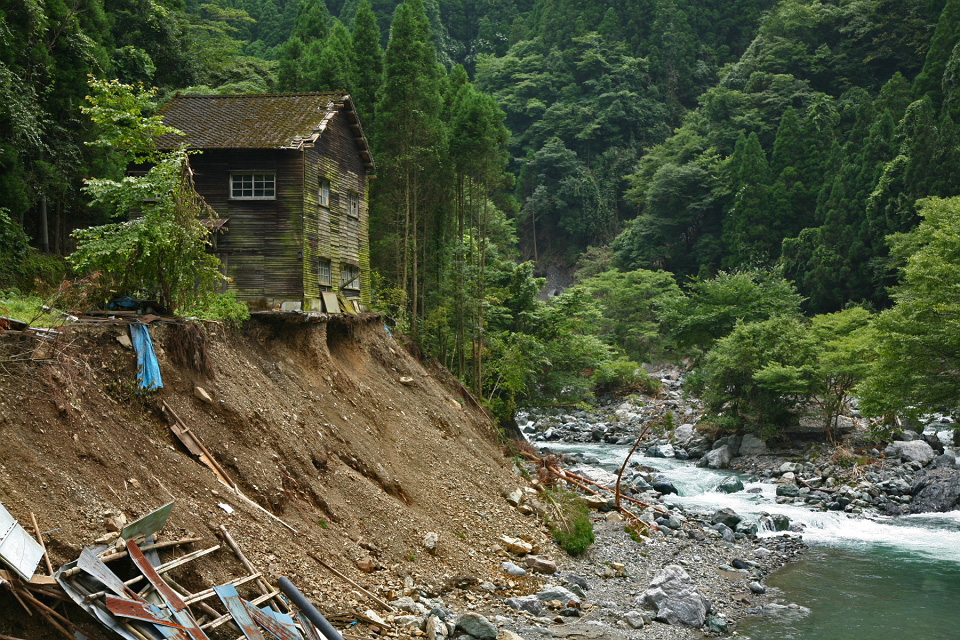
[(862, 578), (858, 595)]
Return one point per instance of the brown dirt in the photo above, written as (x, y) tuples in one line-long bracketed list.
[(310, 419)]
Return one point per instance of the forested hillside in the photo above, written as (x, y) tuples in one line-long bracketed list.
[(703, 164)]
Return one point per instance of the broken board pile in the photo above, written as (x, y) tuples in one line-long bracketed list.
[(151, 604)]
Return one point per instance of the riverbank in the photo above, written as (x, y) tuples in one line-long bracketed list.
[(832, 496)]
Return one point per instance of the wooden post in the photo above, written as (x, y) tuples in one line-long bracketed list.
[(46, 557), (261, 583)]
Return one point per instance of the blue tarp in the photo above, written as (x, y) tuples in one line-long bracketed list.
[(148, 370)]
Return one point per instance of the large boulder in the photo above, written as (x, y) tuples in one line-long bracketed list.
[(675, 598), (910, 451), (936, 490), (683, 434), (730, 484), (474, 624), (718, 458), (751, 445)]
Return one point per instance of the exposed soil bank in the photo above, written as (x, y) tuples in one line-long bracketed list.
[(311, 420)]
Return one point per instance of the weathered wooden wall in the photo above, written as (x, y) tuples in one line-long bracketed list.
[(264, 238), (330, 233)]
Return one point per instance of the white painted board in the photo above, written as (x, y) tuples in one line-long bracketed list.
[(18, 549)]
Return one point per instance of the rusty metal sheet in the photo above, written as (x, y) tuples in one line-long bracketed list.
[(18, 549), (138, 611), (173, 600), (310, 630), (272, 625), (283, 618), (236, 608), (148, 524)]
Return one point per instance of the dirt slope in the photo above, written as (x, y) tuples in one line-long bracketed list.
[(311, 420)]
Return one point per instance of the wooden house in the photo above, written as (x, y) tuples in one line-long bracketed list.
[(288, 176)]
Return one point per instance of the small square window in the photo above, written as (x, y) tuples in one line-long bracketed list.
[(353, 204), (349, 276), (252, 186), (324, 193), (323, 273)]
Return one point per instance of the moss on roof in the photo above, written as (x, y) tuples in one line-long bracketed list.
[(260, 121)]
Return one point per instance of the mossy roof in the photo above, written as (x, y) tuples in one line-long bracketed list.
[(256, 121)]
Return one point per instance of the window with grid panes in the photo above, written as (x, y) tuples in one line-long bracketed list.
[(353, 204), (253, 186), (349, 276), (324, 193), (323, 273)]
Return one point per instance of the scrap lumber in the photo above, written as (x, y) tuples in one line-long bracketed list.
[(177, 605), (195, 445), (46, 558), (213, 624), (261, 584), (231, 600)]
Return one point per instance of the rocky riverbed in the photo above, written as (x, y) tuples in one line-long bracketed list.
[(667, 570)]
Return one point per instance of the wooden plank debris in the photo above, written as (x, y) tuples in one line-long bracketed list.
[(369, 595), (191, 440)]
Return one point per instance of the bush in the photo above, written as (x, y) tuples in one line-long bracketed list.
[(571, 527), (623, 375), (753, 378), (223, 307)]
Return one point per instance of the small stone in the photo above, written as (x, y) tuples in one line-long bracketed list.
[(124, 341), (539, 564), (508, 635), (512, 569), (203, 395), (756, 587), (613, 516), (515, 497), (367, 564), (716, 624), (476, 625), (633, 619), (430, 542), (731, 484), (530, 604), (516, 545)]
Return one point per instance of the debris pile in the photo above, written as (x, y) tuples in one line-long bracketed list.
[(151, 604)]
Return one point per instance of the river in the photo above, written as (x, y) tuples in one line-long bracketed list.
[(875, 577)]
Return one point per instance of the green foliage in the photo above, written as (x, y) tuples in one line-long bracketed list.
[(223, 307), (571, 527), (630, 302), (845, 356), (26, 308), (711, 308), (162, 251), (754, 378), (918, 339), (14, 249)]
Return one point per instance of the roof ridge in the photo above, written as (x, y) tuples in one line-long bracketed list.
[(281, 94)]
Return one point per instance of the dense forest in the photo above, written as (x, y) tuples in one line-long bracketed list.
[(762, 186)]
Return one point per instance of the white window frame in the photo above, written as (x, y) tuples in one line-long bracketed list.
[(354, 281), (324, 195), (353, 204), (324, 262), (254, 175)]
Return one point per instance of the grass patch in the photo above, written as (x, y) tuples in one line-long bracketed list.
[(27, 309), (570, 525)]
